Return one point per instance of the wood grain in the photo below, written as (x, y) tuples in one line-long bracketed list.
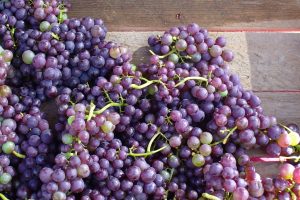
[(285, 106), (139, 15), (274, 60)]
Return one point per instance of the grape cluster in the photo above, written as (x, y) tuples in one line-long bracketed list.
[(176, 127), (18, 15)]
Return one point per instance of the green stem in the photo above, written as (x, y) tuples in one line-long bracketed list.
[(71, 119), (152, 140), (191, 78), (55, 36), (287, 128), (91, 112), (139, 87), (147, 153), (163, 56), (18, 154), (112, 104), (224, 141), (3, 197), (171, 174), (209, 196), (68, 155), (107, 96)]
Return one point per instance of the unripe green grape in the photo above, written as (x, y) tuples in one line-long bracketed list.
[(45, 26), (27, 57), (67, 139), (8, 147), (5, 178), (173, 58), (198, 160)]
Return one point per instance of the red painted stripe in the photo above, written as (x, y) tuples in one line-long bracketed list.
[(258, 30), (276, 91)]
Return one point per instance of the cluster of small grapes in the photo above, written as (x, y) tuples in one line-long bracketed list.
[(8, 136), (36, 141), (17, 120), (17, 15), (203, 96), (46, 40), (84, 131)]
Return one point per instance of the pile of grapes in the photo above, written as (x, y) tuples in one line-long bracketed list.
[(177, 127)]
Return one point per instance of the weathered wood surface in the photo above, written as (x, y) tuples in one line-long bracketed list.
[(139, 15)]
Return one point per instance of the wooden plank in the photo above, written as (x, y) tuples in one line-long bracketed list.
[(160, 15), (274, 60), (283, 105)]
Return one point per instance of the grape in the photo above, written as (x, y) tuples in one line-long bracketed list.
[(193, 142), (205, 150), (5, 178), (45, 26), (296, 175), (175, 141), (181, 45), (198, 160), (286, 171), (215, 51), (284, 140), (206, 138), (240, 194), (295, 138)]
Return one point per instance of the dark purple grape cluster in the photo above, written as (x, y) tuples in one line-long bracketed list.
[(58, 55), (36, 141), (19, 15)]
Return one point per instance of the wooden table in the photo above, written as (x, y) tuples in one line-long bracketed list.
[(262, 33)]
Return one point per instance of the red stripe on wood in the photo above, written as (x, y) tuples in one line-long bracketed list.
[(276, 91)]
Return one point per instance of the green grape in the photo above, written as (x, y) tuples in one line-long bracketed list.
[(198, 160), (107, 127), (8, 147), (206, 138), (173, 58), (67, 139), (295, 138), (5, 178), (45, 26), (27, 57)]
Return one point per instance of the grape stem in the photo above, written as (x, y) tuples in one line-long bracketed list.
[(91, 111), (275, 159), (18, 154), (55, 36), (146, 153), (152, 140), (224, 141), (209, 196), (112, 104), (287, 128), (191, 78), (3, 197), (163, 56), (148, 82)]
